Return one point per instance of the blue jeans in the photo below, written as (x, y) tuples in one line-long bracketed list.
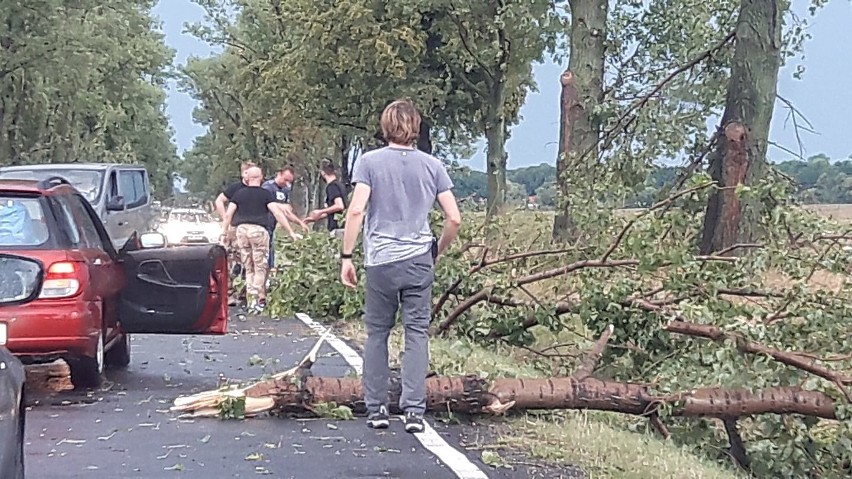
[(271, 247)]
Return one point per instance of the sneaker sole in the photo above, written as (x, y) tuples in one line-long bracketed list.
[(414, 429), (380, 424)]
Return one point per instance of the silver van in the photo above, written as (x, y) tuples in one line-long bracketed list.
[(119, 193)]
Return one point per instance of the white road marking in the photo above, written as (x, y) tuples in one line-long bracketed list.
[(457, 462), (349, 355)]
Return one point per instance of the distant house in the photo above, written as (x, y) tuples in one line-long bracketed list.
[(532, 202)]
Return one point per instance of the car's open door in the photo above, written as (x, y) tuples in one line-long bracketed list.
[(175, 290)]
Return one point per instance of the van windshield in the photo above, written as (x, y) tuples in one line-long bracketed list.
[(87, 182), (22, 222)]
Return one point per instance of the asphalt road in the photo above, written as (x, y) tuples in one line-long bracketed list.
[(124, 429)]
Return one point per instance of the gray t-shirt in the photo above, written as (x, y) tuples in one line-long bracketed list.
[(404, 185)]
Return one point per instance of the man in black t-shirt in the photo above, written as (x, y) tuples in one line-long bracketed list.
[(230, 189), (229, 236), (247, 212), (335, 199)]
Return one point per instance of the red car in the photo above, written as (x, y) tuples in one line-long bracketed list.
[(92, 296)]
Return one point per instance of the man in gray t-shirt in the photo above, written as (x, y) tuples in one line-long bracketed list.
[(395, 189)]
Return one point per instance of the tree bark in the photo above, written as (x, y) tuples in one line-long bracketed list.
[(424, 141), (344, 148), (474, 395), (495, 136), (297, 390), (740, 155), (582, 91)]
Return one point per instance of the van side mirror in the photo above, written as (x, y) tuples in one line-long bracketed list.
[(116, 203)]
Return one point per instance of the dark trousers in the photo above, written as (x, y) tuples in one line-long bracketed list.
[(407, 285), (271, 258)]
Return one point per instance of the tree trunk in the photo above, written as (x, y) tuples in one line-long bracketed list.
[(424, 141), (740, 155), (495, 136), (297, 390), (475, 395), (344, 148), (582, 90)]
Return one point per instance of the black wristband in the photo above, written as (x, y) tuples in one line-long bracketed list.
[(345, 256)]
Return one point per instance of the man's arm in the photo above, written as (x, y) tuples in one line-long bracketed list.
[(228, 216), (220, 205), (319, 214), (452, 220), (278, 212), (355, 217), (287, 209)]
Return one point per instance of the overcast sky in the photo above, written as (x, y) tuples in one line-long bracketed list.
[(824, 95)]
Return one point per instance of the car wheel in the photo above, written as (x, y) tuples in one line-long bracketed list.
[(118, 356), (87, 372)]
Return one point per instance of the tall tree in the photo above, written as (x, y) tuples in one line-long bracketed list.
[(740, 155), (82, 81), (490, 47), (582, 92)]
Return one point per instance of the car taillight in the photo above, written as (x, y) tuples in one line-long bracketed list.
[(61, 281)]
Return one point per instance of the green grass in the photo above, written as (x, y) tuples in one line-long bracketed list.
[(597, 444)]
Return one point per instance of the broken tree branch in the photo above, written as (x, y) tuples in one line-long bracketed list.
[(792, 359), (484, 294), (593, 355)]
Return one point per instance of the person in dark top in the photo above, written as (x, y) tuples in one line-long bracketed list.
[(230, 189), (247, 212), (335, 199), (229, 236), (281, 186)]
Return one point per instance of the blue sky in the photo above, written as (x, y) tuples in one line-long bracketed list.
[(824, 94)]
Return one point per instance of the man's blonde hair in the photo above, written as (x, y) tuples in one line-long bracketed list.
[(401, 122), (246, 165)]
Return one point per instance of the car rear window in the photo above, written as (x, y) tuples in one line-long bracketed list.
[(22, 222), (87, 182)]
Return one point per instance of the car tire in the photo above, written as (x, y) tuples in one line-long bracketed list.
[(87, 372), (118, 356)]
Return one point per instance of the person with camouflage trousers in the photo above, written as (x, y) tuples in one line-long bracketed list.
[(247, 212), (229, 236)]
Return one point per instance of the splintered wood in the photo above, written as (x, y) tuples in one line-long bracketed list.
[(49, 377)]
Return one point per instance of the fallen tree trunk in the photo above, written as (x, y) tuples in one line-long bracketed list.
[(475, 395), (296, 390)]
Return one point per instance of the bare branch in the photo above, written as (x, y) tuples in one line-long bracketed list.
[(658, 425), (608, 136), (737, 448)]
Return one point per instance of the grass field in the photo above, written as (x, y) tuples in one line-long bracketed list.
[(842, 213)]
